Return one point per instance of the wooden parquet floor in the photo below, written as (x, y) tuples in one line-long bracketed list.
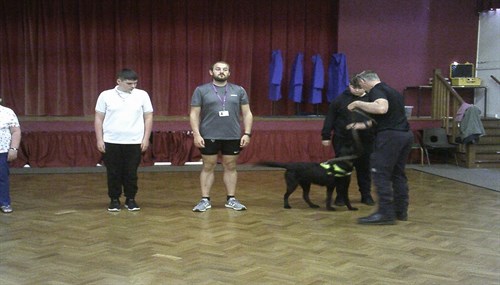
[(61, 233)]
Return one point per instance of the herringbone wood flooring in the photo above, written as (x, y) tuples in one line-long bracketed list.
[(60, 233)]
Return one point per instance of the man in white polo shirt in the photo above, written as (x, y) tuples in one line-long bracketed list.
[(123, 123)]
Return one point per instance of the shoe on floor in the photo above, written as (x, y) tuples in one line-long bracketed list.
[(368, 200), (234, 204), (377, 219), (402, 216), (202, 206), (6, 209), (114, 205), (131, 205)]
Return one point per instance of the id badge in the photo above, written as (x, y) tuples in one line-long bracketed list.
[(224, 113)]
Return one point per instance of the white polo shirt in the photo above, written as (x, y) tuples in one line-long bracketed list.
[(123, 115)]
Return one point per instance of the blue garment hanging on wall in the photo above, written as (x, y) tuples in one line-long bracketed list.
[(338, 77), (297, 79), (275, 75), (318, 80)]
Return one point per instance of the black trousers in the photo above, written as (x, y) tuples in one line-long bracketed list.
[(122, 162), (361, 164), (388, 162)]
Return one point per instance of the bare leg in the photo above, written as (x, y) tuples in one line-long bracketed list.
[(207, 174), (230, 174)]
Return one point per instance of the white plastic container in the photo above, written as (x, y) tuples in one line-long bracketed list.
[(408, 111)]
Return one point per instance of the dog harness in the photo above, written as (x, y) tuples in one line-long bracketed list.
[(334, 169)]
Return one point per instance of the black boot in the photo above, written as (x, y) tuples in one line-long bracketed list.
[(402, 216), (367, 200), (377, 219)]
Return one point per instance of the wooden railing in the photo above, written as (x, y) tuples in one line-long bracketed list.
[(445, 103)]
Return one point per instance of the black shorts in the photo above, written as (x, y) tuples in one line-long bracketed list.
[(226, 147)]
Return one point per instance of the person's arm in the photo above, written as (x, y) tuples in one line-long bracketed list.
[(247, 124), (194, 120), (98, 121), (326, 131), (148, 126), (360, 125), (379, 106), (15, 141)]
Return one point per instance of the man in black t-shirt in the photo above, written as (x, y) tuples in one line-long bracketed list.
[(391, 148)]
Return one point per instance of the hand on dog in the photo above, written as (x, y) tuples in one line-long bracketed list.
[(359, 125), (353, 105), (352, 126)]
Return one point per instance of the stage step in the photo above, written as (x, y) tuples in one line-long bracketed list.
[(487, 151)]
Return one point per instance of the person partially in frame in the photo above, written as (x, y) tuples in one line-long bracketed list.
[(10, 139)]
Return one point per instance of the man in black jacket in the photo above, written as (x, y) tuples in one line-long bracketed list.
[(337, 119)]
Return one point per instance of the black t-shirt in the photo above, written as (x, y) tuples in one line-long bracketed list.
[(395, 118)]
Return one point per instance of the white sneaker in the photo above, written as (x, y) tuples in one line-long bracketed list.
[(6, 209), (234, 204), (202, 206)]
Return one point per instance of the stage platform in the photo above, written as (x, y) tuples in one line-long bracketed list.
[(70, 141)]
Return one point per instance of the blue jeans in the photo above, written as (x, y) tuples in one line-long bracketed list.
[(4, 180)]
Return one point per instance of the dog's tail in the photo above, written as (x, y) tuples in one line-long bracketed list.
[(272, 164)]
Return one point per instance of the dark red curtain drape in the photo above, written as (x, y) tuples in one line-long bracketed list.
[(56, 56)]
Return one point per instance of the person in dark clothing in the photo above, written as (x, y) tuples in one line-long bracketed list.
[(337, 118), (391, 148)]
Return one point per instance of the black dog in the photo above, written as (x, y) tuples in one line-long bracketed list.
[(307, 173), (327, 174)]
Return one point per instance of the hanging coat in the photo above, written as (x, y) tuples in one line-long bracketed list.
[(471, 127), (318, 80), (338, 77), (275, 75), (297, 79)]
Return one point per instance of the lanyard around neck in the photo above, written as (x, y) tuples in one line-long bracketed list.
[(223, 99)]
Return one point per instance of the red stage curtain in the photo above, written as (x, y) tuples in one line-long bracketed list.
[(57, 56), (175, 147), (77, 148), (60, 149), (286, 146), (73, 144)]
